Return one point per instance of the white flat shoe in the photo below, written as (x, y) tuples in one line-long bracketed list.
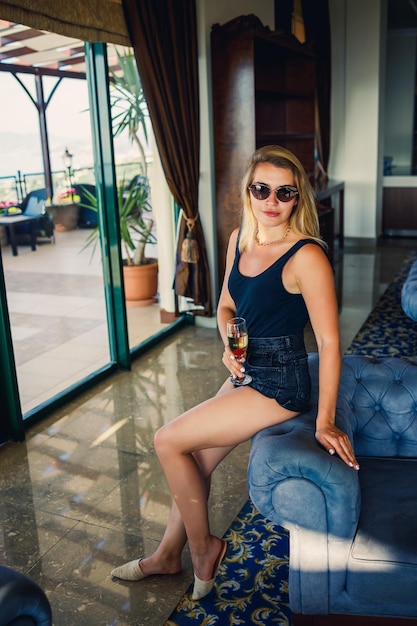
[(129, 571), (203, 587)]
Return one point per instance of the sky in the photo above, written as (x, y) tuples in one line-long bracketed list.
[(68, 124)]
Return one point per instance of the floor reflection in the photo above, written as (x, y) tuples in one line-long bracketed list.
[(85, 492)]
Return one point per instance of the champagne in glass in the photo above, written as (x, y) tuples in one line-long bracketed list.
[(238, 345), (237, 336)]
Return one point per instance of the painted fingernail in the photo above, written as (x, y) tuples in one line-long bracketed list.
[(231, 357), (331, 451), (242, 369)]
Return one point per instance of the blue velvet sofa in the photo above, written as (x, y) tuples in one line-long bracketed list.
[(353, 535), (22, 601), (409, 293)]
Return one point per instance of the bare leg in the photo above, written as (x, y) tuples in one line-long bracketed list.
[(167, 557), (225, 420)]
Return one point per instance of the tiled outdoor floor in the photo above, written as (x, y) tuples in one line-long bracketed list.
[(58, 317)]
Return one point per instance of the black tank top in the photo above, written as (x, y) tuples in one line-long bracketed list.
[(269, 309)]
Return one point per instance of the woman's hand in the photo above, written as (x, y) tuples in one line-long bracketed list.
[(337, 442), (234, 365)]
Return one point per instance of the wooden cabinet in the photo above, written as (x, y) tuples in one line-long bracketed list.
[(263, 93), (399, 210)]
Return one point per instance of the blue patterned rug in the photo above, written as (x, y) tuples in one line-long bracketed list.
[(252, 583), (388, 331)]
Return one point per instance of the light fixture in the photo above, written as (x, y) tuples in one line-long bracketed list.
[(67, 158)]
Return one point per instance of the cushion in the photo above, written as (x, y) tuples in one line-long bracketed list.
[(385, 546)]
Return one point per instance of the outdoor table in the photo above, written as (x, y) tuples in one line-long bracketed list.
[(10, 222)]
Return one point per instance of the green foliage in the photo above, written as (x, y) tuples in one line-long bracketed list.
[(134, 220), (129, 114), (128, 102)]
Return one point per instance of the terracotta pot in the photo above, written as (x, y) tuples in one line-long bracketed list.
[(141, 283), (65, 216)]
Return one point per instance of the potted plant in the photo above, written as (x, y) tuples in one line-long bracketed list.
[(136, 223), (130, 114), (140, 272)]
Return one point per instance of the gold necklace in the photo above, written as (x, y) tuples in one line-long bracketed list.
[(270, 243)]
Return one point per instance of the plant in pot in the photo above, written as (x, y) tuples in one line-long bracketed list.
[(140, 272), (136, 231), (130, 114)]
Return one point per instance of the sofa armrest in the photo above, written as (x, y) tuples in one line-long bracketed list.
[(22, 601), (295, 483), (286, 454)]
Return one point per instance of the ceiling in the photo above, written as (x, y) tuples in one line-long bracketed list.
[(25, 47), (51, 53)]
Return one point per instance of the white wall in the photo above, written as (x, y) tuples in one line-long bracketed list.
[(337, 10), (357, 78), (163, 210)]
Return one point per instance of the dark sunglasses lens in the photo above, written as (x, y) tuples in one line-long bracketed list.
[(285, 194), (260, 192)]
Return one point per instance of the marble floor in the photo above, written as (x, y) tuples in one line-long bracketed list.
[(85, 492)]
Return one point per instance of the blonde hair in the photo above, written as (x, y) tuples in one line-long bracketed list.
[(304, 218)]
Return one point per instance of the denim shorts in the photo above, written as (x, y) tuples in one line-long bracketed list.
[(279, 369)]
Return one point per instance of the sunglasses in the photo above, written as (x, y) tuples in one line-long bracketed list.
[(260, 191)]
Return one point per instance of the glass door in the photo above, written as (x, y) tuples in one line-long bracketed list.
[(65, 321), (55, 293)]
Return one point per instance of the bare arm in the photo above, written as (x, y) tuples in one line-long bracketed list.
[(314, 276), (226, 308)]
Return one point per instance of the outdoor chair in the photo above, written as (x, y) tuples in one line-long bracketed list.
[(34, 206)]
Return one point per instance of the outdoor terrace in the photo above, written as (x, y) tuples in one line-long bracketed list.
[(58, 318)]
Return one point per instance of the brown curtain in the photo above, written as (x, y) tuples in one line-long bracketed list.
[(317, 30), (164, 37), (88, 20)]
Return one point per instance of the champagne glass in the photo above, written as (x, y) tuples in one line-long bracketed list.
[(237, 336)]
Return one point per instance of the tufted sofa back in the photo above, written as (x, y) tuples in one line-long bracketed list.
[(377, 404), (409, 293), (382, 395)]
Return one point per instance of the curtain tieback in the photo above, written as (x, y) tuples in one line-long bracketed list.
[(189, 249)]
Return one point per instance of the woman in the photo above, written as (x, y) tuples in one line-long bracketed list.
[(277, 276)]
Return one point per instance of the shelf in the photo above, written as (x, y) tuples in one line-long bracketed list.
[(269, 93), (281, 136)]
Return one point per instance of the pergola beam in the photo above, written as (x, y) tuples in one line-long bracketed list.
[(40, 71)]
